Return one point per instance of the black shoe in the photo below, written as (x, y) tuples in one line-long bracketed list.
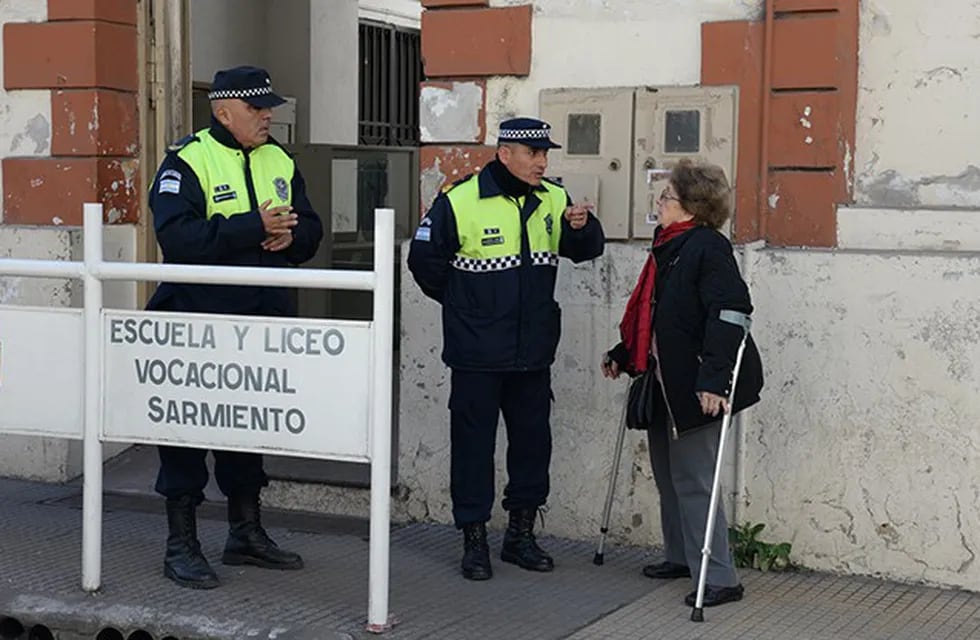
[(476, 552), (184, 563), (714, 596), (520, 547), (666, 571), (248, 543)]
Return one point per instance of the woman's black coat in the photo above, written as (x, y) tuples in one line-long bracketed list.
[(697, 278)]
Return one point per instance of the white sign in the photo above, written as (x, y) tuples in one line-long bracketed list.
[(41, 371), (291, 386)]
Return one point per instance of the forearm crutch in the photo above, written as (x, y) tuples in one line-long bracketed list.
[(745, 322), (614, 472)]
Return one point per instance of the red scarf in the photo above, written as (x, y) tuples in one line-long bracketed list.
[(636, 326)]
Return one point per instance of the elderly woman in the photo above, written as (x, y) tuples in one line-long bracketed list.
[(672, 331)]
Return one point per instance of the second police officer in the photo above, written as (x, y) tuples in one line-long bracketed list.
[(488, 251)]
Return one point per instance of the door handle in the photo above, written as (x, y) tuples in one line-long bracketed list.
[(615, 164)]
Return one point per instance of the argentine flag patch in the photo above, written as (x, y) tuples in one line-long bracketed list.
[(423, 233), (169, 182)]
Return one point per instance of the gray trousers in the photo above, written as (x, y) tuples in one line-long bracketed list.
[(683, 470)]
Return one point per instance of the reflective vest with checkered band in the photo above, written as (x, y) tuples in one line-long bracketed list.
[(221, 172), (489, 229)]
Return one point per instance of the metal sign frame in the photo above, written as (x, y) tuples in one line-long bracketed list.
[(94, 271)]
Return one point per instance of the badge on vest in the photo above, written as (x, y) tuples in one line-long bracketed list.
[(493, 239), (549, 224), (223, 193), (282, 188)]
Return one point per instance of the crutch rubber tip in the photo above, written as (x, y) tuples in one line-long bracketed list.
[(597, 560), (697, 615)]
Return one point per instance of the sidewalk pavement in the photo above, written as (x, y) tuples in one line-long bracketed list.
[(40, 564)]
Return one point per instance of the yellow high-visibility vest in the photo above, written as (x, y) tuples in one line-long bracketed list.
[(489, 229), (221, 171)]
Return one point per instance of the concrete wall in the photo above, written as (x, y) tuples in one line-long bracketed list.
[(334, 71), (917, 128), (289, 61), (657, 42), (401, 13), (228, 33), (863, 450)]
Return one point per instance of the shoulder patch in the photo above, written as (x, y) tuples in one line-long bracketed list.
[(183, 142), (449, 187)]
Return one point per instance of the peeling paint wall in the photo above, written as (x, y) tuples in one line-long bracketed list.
[(450, 112), (25, 130), (864, 453), (917, 125), (25, 116), (863, 449)]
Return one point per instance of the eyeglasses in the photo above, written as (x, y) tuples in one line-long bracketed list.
[(665, 195)]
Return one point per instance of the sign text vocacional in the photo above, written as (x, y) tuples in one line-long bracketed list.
[(266, 380)]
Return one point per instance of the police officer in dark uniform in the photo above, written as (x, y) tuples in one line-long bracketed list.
[(227, 195), (488, 251)]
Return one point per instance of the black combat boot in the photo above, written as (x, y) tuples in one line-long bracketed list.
[(520, 548), (184, 563), (476, 552), (248, 543)]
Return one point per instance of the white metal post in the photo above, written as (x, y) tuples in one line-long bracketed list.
[(384, 303), (92, 446)]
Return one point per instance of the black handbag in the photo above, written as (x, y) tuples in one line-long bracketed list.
[(644, 401)]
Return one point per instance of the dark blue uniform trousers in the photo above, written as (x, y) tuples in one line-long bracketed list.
[(184, 472), (475, 404)]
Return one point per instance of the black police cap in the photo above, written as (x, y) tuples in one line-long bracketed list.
[(530, 132), (251, 84)]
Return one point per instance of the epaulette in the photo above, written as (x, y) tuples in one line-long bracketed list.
[(183, 142), (449, 187), (555, 181)]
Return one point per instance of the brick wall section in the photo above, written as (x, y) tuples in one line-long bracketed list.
[(86, 55), (465, 41), (812, 111)]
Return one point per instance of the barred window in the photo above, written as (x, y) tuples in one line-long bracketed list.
[(391, 70)]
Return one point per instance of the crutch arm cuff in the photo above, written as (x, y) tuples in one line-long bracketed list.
[(738, 318)]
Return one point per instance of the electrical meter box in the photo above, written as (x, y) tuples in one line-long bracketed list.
[(619, 144)]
